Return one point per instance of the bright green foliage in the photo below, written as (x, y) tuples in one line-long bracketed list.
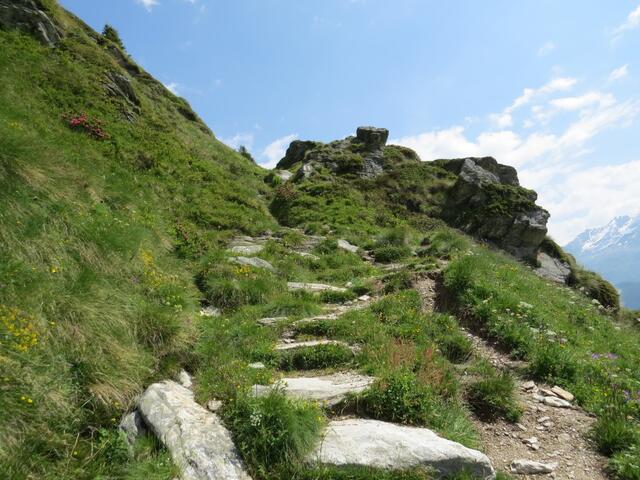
[(626, 464), (88, 229), (272, 432), (567, 339), (492, 395), (311, 358)]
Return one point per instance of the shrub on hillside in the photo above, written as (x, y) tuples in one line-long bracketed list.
[(492, 396), (400, 397), (231, 286), (82, 122), (396, 282), (272, 430), (390, 253), (111, 34), (312, 358)]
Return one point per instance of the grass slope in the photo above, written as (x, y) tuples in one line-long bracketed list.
[(97, 242)]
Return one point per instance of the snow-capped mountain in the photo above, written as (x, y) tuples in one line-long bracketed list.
[(614, 252)]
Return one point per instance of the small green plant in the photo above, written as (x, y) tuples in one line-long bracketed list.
[(273, 430), (397, 282), (330, 296), (390, 253), (317, 357), (493, 395), (614, 432), (111, 34), (242, 150), (443, 243), (625, 465)]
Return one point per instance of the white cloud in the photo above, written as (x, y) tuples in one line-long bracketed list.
[(244, 139), (172, 87), (619, 73), (274, 152), (148, 4), (546, 49), (632, 22), (552, 162), (505, 118), (575, 195)]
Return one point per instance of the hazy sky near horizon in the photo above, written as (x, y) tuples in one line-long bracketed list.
[(552, 88)]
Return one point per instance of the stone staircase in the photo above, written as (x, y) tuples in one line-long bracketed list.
[(203, 449), (365, 442)]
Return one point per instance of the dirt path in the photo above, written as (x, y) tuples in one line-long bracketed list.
[(544, 434)]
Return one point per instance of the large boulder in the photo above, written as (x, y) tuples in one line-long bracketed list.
[(362, 155), (375, 444), (295, 153), (198, 442), (328, 389), (373, 138), (487, 201), (552, 268), (26, 15)]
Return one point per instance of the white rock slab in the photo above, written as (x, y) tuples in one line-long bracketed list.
[(529, 467), (562, 393), (314, 287), (328, 389), (253, 262), (318, 318), (198, 442), (344, 245), (556, 402), (309, 343), (247, 249), (371, 443)]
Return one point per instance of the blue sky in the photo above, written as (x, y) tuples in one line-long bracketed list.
[(549, 87)]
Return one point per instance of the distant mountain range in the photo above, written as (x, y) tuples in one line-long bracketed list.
[(614, 252)]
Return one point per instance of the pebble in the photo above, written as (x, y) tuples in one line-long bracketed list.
[(214, 405), (562, 393), (530, 467)]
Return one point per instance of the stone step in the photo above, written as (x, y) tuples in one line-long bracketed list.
[(270, 321), (376, 444), (314, 287), (318, 318), (253, 262), (246, 249), (197, 440), (328, 389), (284, 346)]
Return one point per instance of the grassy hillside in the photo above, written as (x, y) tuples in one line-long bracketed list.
[(98, 232), (116, 207)]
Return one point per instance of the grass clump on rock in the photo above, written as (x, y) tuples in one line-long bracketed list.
[(492, 396), (273, 431)]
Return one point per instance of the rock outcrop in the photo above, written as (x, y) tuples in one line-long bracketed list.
[(487, 201), (362, 155), (552, 268), (371, 443), (198, 442), (26, 15)]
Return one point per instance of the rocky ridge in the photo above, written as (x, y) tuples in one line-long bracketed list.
[(485, 198)]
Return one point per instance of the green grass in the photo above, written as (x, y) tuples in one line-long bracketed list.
[(567, 339), (110, 245), (272, 432), (492, 395), (97, 239)]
